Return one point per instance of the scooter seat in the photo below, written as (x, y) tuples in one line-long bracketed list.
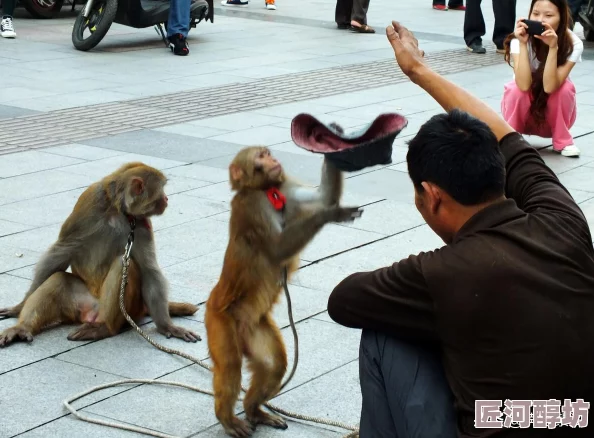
[(147, 13)]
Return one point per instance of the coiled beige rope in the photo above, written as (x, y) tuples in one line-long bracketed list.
[(76, 413)]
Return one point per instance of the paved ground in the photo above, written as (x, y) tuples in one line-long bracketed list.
[(67, 118)]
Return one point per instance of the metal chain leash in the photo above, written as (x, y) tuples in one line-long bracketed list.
[(281, 411)]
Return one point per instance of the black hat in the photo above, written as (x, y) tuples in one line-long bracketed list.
[(370, 146)]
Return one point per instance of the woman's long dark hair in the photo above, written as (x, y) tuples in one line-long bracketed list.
[(539, 102)]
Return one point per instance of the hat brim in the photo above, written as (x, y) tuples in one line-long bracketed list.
[(369, 146)]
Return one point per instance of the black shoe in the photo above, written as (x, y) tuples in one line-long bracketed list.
[(476, 47), (179, 45)]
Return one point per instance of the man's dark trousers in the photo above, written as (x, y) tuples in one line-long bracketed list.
[(474, 23), (405, 391)]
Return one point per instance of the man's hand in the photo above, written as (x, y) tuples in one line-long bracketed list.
[(406, 48)]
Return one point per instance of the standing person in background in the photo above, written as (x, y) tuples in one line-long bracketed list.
[(474, 24), (574, 8), (541, 99), (456, 5), (352, 14), (6, 26)]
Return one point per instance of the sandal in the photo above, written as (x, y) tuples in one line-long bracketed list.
[(362, 29)]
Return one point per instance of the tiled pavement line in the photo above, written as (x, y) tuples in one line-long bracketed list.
[(72, 125)]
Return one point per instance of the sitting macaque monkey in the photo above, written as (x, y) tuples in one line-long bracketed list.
[(272, 219), (92, 242)]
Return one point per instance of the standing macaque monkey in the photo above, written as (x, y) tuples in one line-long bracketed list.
[(91, 242), (272, 219)]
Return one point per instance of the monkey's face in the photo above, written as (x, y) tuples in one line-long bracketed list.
[(147, 198), (268, 166)]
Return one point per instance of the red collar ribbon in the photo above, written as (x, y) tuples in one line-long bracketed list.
[(276, 198)]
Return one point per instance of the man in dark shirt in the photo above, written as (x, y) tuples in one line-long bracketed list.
[(503, 314)]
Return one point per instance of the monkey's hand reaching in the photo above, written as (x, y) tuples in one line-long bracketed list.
[(345, 214), (179, 332), (10, 312)]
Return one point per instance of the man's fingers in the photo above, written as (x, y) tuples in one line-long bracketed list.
[(392, 36)]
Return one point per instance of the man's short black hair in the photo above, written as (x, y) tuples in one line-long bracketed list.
[(461, 155)]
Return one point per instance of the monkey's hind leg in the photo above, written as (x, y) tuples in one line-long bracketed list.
[(223, 344), (110, 320), (62, 298), (268, 364)]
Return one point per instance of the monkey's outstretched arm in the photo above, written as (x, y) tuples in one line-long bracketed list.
[(329, 192), (299, 233), (57, 258)]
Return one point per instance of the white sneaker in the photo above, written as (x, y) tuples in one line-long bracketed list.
[(270, 5), (570, 151), (6, 28), (240, 3)]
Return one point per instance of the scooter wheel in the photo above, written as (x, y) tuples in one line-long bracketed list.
[(100, 19)]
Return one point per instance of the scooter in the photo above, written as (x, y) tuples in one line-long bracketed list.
[(98, 15), (586, 19)]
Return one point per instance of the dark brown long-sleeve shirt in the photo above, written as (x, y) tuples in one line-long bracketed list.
[(510, 300)]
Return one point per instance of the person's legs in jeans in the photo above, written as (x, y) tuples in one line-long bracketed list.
[(405, 391), (505, 21), (359, 16), (6, 25), (178, 26), (474, 26), (342, 14)]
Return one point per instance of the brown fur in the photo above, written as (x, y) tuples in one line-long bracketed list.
[(238, 312), (91, 242)]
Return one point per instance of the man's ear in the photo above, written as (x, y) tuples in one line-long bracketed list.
[(236, 172), (137, 186), (432, 196)]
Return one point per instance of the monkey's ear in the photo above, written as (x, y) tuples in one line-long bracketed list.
[(236, 172), (137, 185)]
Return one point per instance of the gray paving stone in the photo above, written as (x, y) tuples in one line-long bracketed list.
[(579, 178), (12, 290), (290, 110), (32, 161), (192, 239), (46, 344), (179, 184), (22, 388), (46, 210), (263, 135), (560, 164), (131, 356), (183, 208), (171, 410), (388, 217), (386, 183), (38, 240), (166, 145), (326, 274), (192, 130), (66, 426), (220, 192), (335, 238), (12, 257), (8, 227), (35, 185), (201, 172), (24, 272), (196, 277), (334, 396), (101, 168), (82, 152), (238, 121), (7, 111)]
